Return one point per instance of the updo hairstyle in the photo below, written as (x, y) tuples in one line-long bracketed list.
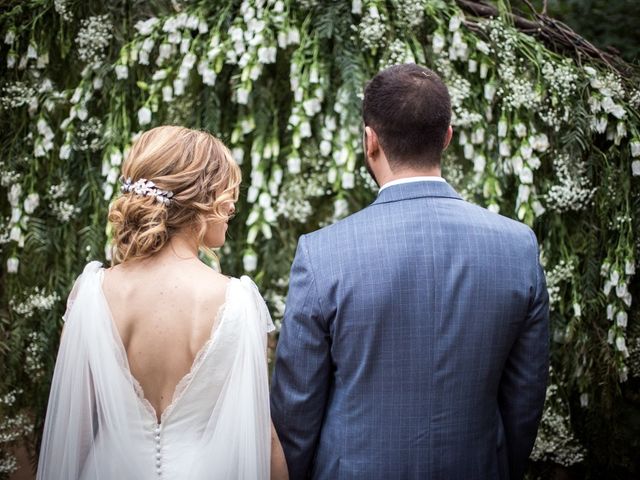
[(194, 165)]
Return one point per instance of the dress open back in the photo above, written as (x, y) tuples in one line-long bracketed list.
[(100, 426)]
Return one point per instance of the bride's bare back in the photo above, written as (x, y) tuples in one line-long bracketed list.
[(164, 309)]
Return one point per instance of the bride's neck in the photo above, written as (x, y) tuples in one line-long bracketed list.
[(179, 247)]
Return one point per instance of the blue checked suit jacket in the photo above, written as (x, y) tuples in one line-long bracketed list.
[(414, 343)]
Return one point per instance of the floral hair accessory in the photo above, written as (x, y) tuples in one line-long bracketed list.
[(146, 188)]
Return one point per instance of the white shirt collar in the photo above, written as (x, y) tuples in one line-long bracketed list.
[(400, 181)]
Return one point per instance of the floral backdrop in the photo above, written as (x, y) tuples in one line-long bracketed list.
[(546, 134)]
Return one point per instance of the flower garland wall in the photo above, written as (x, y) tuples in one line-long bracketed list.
[(548, 139)]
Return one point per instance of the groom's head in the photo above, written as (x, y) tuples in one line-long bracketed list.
[(408, 109)]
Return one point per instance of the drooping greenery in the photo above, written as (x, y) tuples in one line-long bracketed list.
[(547, 139)]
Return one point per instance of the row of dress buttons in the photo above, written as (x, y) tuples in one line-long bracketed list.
[(158, 455)]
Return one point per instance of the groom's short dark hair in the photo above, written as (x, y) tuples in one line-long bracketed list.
[(409, 108)]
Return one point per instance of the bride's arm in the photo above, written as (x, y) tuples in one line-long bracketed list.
[(279, 469)]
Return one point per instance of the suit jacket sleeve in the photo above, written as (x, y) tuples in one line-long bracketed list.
[(302, 375), (524, 380)]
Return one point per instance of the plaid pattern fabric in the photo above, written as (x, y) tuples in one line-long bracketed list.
[(414, 343)]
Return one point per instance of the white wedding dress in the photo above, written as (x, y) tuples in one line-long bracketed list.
[(100, 426)]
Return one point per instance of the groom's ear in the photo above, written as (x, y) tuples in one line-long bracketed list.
[(447, 138), (372, 144)]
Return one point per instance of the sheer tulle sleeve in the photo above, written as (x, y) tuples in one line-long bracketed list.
[(237, 438), (261, 306), (72, 297), (90, 402)]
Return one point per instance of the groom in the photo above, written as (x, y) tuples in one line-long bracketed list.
[(415, 337)]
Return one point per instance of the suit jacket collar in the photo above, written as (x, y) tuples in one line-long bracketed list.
[(408, 191)]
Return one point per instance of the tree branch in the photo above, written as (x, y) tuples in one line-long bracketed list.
[(553, 33)]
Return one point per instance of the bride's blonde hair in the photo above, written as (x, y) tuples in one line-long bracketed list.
[(194, 165)]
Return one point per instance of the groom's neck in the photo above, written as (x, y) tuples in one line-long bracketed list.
[(400, 174)]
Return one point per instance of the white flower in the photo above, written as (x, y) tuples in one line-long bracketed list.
[(348, 180), (146, 27), (494, 208), (584, 400), (12, 265), (484, 70), (14, 194), (438, 43), (32, 51), (635, 168), (10, 37), (144, 116), (454, 23), (482, 47), (16, 215), (577, 310), (620, 344), (477, 136), (635, 148), (269, 216), (614, 277), (468, 151), (65, 151), (238, 155), (15, 234), (524, 191), (209, 77), (526, 151), (122, 72), (82, 113), (293, 164), (538, 208), (242, 96), (267, 54), (340, 156), (305, 129), (143, 58), (610, 312), (607, 287), (164, 51), (325, 148), (479, 163), (629, 267), (505, 149), (31, 203), (356, 7), (526, 175), (250, 262), (311, 106), (621, 290), (520, 129), (618, 111), (264, 200), (293, 37), (167, 93), (192, 22), (252, 194), (502, 128), (178, 87), (489, 91), (148, 44), (621, 319)]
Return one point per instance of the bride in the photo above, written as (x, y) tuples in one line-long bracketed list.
[(161, 372)]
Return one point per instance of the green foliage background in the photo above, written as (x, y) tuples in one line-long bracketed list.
[(546, 138)]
